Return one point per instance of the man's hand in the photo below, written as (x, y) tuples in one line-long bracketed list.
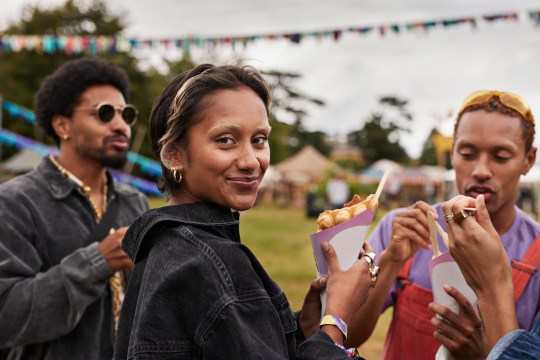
[(476, 246), (111, 251), (410, 232), (477, 249), (310, 316), (462, 334)]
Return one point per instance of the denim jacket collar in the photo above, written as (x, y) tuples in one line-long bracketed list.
[(200, 214), (60, 187)]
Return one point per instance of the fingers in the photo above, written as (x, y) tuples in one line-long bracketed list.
[(318, 284), (482, 214), (331, 257), (110, 248), (401, 233), (425, 207), (454, 329), (367, 247), (457, 203), (415, 220), (464, 304), (445, 313), (125, 263), (119, 233), (313, 295), (455, 230), (445, 330)]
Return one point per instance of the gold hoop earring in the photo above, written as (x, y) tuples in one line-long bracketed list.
[(177, 176)]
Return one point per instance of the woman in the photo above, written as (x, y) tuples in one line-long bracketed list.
[(196, 292)]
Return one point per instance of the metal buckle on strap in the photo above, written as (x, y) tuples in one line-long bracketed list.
[(402, 282)]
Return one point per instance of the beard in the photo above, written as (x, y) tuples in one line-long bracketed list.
[(108, 157), (116, 160), (113, 161)]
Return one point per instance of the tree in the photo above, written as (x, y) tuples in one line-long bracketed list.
[(288, 103), (22, 72), (428, 155), (379, 137)]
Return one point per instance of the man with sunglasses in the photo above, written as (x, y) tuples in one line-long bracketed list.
[(492, 148), (62, 223)]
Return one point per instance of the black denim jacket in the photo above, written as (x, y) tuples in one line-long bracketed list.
[(197, 293), (54, 298)]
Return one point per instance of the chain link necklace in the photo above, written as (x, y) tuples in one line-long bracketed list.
[(85, 189), (117, 281)]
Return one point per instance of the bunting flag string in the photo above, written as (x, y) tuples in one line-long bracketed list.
[(147, 165), (118, 44), (17, 111), (12, 139)]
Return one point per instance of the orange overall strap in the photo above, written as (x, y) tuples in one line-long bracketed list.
[(403, 274), (524, 269), (410, 335)]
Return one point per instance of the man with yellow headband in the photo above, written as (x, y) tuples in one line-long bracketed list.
[(492, 148)]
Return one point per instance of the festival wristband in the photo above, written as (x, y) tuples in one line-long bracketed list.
[(337, 322)]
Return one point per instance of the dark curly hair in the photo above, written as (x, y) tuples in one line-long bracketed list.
[(184, 101), (61, 91), (495, 105)]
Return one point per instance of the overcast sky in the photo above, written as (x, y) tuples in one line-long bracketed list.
[(433, 70)]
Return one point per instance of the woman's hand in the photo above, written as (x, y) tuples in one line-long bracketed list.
[(346, 291), (462, 334)]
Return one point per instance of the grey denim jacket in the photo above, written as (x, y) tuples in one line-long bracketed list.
[(54, 295), (196, 292)]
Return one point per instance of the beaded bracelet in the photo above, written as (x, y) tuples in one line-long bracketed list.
[(350, 351)]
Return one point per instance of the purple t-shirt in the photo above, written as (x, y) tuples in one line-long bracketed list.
[(516, 241)]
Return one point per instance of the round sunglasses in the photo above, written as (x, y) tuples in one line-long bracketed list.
[(105, 112)]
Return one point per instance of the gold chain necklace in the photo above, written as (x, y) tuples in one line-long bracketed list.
[(85, 189)]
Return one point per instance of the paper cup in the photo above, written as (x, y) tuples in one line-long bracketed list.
[(444, 270), (347, 239)]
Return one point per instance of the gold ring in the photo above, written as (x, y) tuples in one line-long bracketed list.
[(374, 271), (459, 216), (448, 217)]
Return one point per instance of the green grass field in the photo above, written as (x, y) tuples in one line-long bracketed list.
[(280, 240)]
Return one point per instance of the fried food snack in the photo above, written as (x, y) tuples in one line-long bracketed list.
[(329, 218)]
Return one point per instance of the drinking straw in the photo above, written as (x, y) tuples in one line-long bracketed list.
[(381, 184)]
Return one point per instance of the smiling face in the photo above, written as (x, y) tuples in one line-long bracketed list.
[(489, 156), (227, 151), (91, 139)]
